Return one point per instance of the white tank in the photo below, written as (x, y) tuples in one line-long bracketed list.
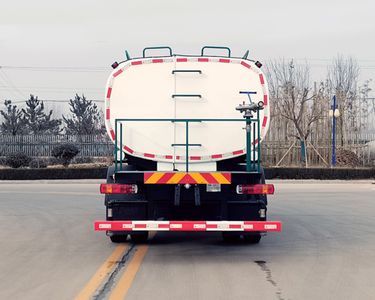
[(184, 87)]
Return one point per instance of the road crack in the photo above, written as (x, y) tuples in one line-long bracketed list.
[(263, 266), (107, 286)]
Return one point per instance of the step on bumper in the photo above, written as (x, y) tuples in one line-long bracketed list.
[(262, 226)]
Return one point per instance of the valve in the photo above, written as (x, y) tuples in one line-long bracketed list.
[(248, 109)]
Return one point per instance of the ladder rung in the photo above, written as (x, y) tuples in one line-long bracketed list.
[(184, 145), (184, 121), (186, 71), (186, 95)]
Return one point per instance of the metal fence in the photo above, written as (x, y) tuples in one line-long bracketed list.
[(281, 153), (42, 145), (279, 150), (274, 152)]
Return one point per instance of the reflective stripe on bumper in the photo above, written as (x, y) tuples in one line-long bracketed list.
[(188, 226)]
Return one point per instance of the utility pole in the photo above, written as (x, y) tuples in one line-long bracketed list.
[(334, 113)]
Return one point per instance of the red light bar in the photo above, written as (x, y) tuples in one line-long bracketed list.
[(255, 189), (115, 188)]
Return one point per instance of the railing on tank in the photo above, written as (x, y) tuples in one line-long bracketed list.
[(252, 138)]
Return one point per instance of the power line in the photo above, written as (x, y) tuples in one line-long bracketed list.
[(52, 87), (332, 59), (8, 81), (107, 69), (17, 101), (56, 68), (62, 91)]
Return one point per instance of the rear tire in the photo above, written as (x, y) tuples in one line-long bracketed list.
[(252, 239), (139, 237), (119, 238)]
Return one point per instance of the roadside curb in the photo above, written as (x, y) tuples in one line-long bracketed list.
[(320, 173), (53, 173), (271, 173)]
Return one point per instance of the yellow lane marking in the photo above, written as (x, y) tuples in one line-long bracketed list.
[(154, 177), (220, 178), (122, 287), (104, 270)]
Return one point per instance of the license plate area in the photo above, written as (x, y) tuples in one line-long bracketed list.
[(213, 188)]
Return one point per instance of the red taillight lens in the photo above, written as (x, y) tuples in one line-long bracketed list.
[(115, 188), (255, 189)]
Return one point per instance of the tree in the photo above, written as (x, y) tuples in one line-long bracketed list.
[(343, 80), (366, 106), (65, 153), (36, 120), (13, 119), (294, 98), (85, 117)]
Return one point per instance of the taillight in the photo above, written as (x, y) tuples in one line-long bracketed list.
[(255, 189), (116, 188)]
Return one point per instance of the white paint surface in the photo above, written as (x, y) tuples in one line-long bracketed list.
[(145, 92)]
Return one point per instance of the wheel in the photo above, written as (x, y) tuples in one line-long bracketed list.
[(139, 237), (252, 239), (231, 237), (118, 238)]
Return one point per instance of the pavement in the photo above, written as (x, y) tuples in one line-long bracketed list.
[(49, 250)]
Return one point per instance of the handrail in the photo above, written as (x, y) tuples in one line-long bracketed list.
[(251, 137), (157, 48), (215, 47), (182, 120)]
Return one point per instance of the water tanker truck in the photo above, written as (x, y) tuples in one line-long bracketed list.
[(186, 131)]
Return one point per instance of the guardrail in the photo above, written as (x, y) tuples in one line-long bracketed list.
[(252, 136)]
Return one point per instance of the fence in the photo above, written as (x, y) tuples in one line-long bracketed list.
[(274, 151), (42, 145), (281, 153)]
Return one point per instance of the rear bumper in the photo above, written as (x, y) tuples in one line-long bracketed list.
[(259, 226)]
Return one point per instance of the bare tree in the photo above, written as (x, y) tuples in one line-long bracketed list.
[(294, 99), (343, 80), (366, 108)]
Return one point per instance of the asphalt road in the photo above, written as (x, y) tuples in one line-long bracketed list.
[(48, 249)]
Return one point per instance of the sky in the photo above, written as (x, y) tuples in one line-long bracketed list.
[(55, 49)]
